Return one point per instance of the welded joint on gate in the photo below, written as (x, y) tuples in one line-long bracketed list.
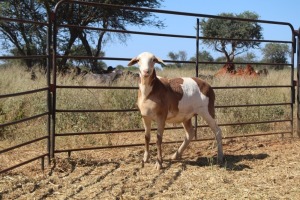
[(52, 88), (52, 16)]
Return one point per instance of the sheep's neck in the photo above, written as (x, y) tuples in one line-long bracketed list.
[(146, 84)]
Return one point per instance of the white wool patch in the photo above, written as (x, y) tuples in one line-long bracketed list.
[(193, 99), (192, 102)]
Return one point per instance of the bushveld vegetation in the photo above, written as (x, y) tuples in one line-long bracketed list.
[(16, 79), (254, 168)]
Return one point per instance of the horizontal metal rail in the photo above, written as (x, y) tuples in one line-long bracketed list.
[(26, 162), (253, 105), (129, 32), (167, 128), (25, 57), (216, 87), (23, 21), (170, 12), (24, 120), (167, 35), (23, 144), (253, 87), (135, 110), (95, 87), (23, 93), (167, 142), (168, 61), (111, 110)]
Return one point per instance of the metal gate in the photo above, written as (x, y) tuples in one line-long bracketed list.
[(40, 138), (57, 113)]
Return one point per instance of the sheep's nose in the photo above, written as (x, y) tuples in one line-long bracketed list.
[(146, 71)]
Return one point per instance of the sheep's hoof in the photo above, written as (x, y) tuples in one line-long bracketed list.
[(158, 166), (143, 164), (146, 157), (176, 156)]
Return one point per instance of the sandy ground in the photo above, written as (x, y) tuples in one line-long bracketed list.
[(254, 168)]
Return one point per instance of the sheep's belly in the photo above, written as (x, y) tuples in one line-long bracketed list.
[(187, 113), (180, 117)]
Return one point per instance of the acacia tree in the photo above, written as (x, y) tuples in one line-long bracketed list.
[(276, 53), (180, 56), (23, 38), (225, 31), (74, 14), (203, 56)]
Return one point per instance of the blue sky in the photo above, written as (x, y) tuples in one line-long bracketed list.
[(275, 10)]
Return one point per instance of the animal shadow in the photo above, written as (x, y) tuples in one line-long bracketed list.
[(231, 162)]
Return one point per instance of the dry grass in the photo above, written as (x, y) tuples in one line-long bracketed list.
[(255, 168)]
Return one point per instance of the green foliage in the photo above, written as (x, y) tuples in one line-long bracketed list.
[(203, 56), (29, 39), (233, 29), (276, 53), (180, 56)]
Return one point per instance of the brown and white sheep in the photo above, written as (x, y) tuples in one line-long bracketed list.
[(173, 101)]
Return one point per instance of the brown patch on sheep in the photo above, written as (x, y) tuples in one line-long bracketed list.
[(207, 90), (166, 103)]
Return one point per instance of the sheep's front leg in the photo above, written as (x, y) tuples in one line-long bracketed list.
[(147, 126), (190, 133), (160, 131)]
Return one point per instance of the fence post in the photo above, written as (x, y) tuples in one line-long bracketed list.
[(53, 85), (298, 77), (49, 95), (197, 69)]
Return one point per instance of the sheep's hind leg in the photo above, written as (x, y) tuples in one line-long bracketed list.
[(217, 131), (190, 133), (147, 125)]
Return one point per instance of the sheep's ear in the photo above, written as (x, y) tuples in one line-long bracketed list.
[(160, 61), (133, 61)]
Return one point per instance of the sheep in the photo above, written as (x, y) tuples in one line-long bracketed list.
[(172, 101), (108, 77)]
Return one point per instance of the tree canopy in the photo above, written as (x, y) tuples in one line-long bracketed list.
[(30, 39), (221, 29), (180, 56), (276, 53)]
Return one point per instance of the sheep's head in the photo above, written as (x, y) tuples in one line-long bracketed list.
[(146, 63)]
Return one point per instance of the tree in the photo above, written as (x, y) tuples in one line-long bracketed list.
[(203, 56), (180, 56), (23, 39), (224, 31), (16, 34), (276, 53)]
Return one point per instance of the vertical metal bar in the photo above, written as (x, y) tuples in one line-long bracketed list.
[(53, 86), (298, 85), (197, 48), (49, 64), (197, 70), (292, 83)]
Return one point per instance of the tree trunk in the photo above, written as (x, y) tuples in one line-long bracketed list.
[(73, 37)]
